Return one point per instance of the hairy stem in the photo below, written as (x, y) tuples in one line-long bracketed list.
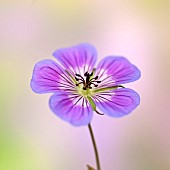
[(95, 147)]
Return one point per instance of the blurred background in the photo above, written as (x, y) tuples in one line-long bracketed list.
[(31, 136)]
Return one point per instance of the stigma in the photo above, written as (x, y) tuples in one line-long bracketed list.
[(87, 81)]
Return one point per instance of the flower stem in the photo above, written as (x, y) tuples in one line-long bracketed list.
[(95, 147)]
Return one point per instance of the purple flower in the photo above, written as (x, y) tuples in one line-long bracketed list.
[(80, 88)]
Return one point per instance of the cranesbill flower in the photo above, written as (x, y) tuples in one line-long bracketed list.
[(80, 88)]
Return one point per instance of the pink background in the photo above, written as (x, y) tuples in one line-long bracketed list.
[(31, 136)]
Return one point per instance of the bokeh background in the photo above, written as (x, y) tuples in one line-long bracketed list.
[(31, 136)]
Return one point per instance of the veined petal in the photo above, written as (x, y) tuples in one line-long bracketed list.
[(48, 77), (117, 103), (72, 108), (77, 59), (114, 71)]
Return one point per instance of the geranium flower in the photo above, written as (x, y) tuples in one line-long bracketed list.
[(80, 88)]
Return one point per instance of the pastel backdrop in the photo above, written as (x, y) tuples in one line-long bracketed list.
[(31, 136)]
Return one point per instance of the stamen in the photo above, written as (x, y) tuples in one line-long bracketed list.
[(78, 75), (96, 77), (80, 79), (94, 84), (95, 81), (77, 79), (86, 73), (88, 81)]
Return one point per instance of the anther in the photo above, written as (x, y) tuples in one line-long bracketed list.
[(88, 81), (96, 77), (86, 74), (78, 75)]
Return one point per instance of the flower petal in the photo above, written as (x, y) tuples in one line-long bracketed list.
[(77, 59), (114, 71), (49, 77), (72, 108), (117, 103)]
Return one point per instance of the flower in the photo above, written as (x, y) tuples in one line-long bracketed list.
[(79, 88)]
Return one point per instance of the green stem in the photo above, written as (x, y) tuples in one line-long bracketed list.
[(95, 147)]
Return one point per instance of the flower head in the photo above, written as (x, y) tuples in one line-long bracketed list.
[(80, 88)]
